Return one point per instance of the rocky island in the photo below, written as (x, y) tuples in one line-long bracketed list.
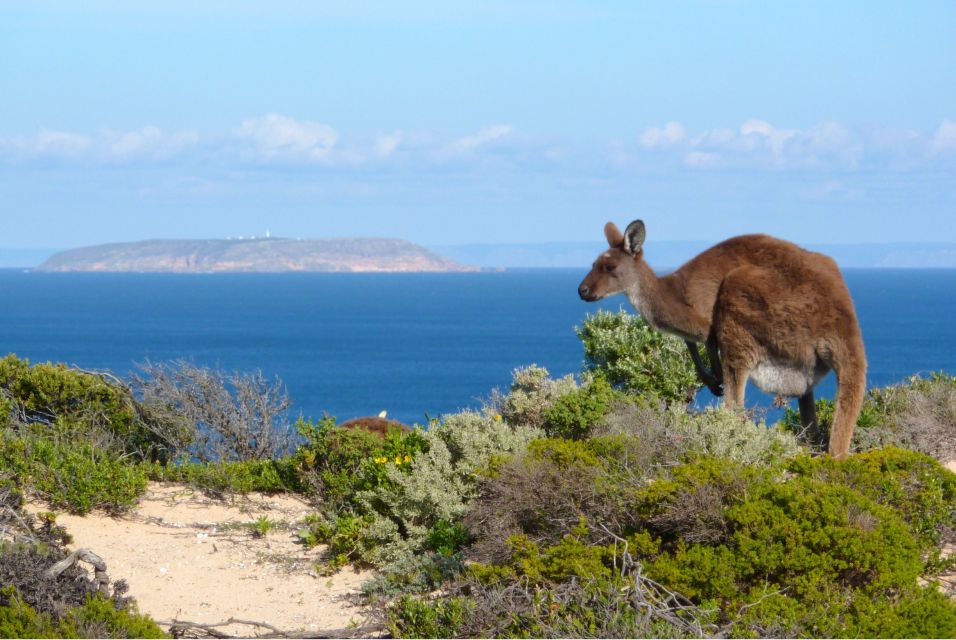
[(253, 255)]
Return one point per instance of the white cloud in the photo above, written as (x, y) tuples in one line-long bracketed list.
[(278, 137), (701, 159), (54, 143), (386, 145), (944, 140), (667, 136), (758, 142), (760, 134), (149, 141), (488, 134)]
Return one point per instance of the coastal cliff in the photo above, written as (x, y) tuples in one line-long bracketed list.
[(253, 255)]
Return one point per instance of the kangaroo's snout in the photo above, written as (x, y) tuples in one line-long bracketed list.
[(585, 292)]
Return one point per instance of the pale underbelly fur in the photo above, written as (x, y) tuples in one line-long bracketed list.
[(786, 379)]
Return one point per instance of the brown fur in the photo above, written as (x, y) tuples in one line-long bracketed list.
[(374, 424), (771, 310)]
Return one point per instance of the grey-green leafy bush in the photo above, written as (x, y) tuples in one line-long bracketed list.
[(532, 393), (637, 358), (395, 519), (669, 435), (919, 414)]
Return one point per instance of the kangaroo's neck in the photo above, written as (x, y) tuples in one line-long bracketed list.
[(662, 302)]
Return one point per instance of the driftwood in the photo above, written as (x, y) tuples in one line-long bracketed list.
[(187, 629), (84, 555)]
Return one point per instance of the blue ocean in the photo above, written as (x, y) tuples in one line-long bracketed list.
[(356, 344)]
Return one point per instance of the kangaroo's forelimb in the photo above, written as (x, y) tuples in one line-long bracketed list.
[(710, 379)]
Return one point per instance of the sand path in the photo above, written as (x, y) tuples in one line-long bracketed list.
[(189, 557)]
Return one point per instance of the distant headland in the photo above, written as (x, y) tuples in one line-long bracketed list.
[(265, 255)]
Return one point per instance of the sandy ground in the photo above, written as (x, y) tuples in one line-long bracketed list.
[(189, 557)]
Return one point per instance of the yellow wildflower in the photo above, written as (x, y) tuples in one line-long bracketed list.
[(398, 459), (497, 417), (408, 458)]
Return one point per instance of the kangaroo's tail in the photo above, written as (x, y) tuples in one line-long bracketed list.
[(851, 387)]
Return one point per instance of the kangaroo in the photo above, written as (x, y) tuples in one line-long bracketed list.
[(764, 308)]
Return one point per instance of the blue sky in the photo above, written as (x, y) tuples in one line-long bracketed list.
[(467, 122)]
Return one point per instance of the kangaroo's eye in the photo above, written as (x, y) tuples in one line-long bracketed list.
[(609, 268)]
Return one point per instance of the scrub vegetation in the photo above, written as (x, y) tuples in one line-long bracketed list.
[(596, 506)]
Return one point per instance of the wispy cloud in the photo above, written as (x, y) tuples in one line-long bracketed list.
[(661, 138), (485, 136), (385, 145), (944, 140), (275, 137), (758, 143), (107, 145), (149, 142)]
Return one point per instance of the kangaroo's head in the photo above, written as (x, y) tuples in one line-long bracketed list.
[(615, 269)]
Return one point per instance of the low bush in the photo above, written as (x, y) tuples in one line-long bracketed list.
[(232, 416), (77, 477), (97, 617), (223, 478), (338, 463), (914, 485), (637, 358), (670, 435), (531, 394), (746, 549), (55, 402), (400, 504), (576, 413), (919, 414)]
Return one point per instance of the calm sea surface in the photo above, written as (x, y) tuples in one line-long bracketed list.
[(355, 344)]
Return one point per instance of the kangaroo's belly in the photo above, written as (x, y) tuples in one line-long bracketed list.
[(786, 379)]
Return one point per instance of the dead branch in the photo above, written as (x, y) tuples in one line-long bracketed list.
[(84, 555), (187, 629)]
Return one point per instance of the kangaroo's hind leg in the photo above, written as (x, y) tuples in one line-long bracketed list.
[(808, 411)]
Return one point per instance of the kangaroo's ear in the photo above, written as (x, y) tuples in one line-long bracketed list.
[(634, 237), (613, 235)]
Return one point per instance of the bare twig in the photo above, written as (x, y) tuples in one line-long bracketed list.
[(187, 629)]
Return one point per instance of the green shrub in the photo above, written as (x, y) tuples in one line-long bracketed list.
[(767, 549), (637, 358), (396, 515), (447, 538), (569, 589), (220, 478), (532, 393), (56, 402), (414, 618), (574, 414), (914, 485), (98, 617), (339, 463), (77, 477)]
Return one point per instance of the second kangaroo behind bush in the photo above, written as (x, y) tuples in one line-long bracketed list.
[(764, 308)]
